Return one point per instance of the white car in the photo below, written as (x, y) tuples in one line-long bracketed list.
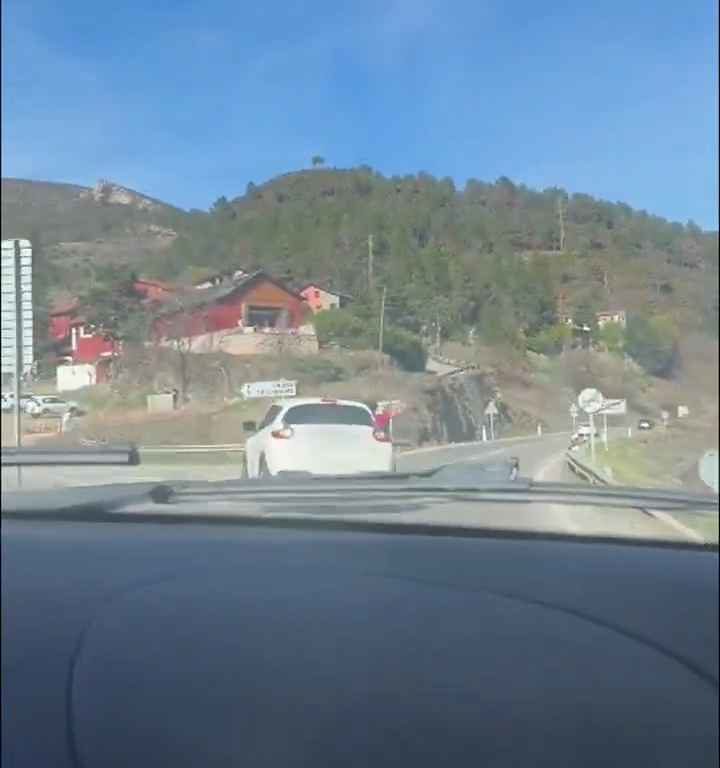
[(8, 400), (320, 436), (49, 405), (584, 430)]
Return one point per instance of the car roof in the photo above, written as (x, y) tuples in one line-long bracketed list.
[(290, 402)]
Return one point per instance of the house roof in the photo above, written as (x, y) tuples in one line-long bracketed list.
[(65, 307), (611, 312), (322, 287), (195, 299)]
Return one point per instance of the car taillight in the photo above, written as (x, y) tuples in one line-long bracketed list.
[(283, 434), (382, 436)]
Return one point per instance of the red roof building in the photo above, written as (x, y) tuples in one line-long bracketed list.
[(257, 301)]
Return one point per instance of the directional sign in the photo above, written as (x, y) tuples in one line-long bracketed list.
[(16, 281), (491, 409), (591, 400), (393, 407), (708, 469), (683, 411), (269, 389), (614, 408)]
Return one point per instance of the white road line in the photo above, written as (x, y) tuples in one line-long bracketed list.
[(548, 466)]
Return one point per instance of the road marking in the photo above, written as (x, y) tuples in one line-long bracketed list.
[(518, 438), (541, 475)]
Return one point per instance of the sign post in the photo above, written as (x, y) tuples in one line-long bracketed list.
[(17, 319), (591, 401), (491, 411), (665, 416), (573, 415)]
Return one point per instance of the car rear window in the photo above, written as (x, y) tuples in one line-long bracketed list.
[(328, 413)]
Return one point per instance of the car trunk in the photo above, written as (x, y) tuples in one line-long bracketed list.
[(334, 449)]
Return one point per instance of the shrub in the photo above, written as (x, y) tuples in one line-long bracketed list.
[(405, 348)]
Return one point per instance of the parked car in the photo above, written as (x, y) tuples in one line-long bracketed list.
[(50, 405), (584, 431), (319, 436), (8, 400), (646, 424)]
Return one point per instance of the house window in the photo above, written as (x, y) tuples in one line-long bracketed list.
[(86, 332), (264, 317)]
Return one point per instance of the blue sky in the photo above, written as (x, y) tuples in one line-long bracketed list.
[(187, 101)]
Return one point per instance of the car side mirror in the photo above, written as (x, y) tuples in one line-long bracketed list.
[(249, 426)]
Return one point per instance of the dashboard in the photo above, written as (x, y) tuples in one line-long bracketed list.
[(169, 644)]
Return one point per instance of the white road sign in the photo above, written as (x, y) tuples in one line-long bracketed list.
[(708, 469), (394, 407), (683, 411), (9, 284), (269, 389), (491, 409), (614, 408), (590, 400)]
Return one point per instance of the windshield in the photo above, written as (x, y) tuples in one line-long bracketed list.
[(493, 228), (326, 413)]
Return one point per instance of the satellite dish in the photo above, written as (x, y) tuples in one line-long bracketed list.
[(591, 400), (708, 469)]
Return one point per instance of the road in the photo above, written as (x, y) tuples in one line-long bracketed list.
[(540, 458)]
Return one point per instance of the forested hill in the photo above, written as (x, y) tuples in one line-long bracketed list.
[(497, 256)]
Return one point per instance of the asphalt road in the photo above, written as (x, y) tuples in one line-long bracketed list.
[(540, 458)]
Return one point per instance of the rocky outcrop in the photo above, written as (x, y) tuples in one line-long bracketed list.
[(108, 193)]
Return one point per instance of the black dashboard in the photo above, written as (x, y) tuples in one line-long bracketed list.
[(151, 644)]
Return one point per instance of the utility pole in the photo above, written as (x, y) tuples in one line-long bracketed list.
[(371, 260), (382, 324), (561, 222)]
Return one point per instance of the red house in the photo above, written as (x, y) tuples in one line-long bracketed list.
[(257, 301), (76, 340)]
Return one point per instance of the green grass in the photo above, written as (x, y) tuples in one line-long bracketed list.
[(630, 464)]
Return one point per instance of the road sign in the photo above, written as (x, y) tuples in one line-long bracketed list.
[(683, 411), (269, 389), (708, 469), (16, 299), (393, 407), (614, 407), (591, 400)]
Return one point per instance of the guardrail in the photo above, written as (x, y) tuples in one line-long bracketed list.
[(219, 448), (592, 476)]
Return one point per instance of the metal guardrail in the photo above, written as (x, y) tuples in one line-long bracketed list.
[(592, 476), (38, 456), (218, 448), (595, 477)]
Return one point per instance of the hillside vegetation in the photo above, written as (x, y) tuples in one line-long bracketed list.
[(495, 262)]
